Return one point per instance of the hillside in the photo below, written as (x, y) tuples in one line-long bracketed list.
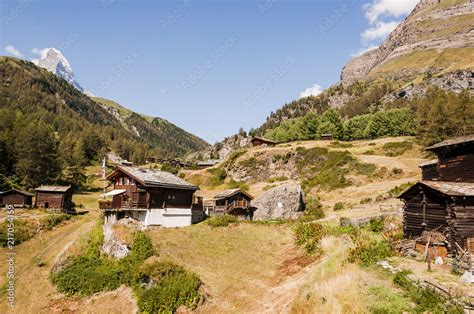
[(36, 90), (159, 133)]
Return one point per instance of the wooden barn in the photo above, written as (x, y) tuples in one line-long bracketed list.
[(16, 197), (444, 199), (326, 137), (260, 141), (234, 202), (54, 197), (150, 196)]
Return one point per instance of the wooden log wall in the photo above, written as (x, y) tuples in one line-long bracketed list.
[(415, 220), (457, 169)]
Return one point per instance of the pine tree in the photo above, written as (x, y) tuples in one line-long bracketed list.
[(36, 152)]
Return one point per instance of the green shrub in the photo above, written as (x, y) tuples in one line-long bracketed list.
[(397, 190), (314, 209), (238, 185), (365, 200), (218, 176), (174, 287), (142, 247), (388, 302), (169, 169), (426, 299), (276, 179), (221, 221), (367, 250), (376, 225), (233, 157), (337, 144), (87, 275), (52, 220), (339, 206), (23, 231), (309, 235), (393, 149)]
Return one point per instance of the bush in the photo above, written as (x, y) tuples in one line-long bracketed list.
[(221, 221), (169, 169), (376, 225), (393, 149), (426, 300), (50, 221), (314, 209), (238, 185), (23, 231), (142, 247), (339, 206), (276, 179), (219, 176), (174, 287), (367, 250), (309, 236)]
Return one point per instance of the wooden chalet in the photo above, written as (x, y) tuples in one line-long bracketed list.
[(260, 141), (54, 197), (234, 202), (150, 196), (444, 199), (16, 197)]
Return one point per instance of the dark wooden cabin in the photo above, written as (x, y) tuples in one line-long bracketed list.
[(16, 197), (235, 202), (54, 197), (444, 199), (260, 141), (429, 170), (151, 196)]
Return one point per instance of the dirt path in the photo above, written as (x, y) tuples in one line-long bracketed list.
[(33, 261)]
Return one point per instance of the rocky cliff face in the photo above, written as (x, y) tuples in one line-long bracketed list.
[(433, 25)]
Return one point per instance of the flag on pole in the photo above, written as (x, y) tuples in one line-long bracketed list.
[(103, 169)]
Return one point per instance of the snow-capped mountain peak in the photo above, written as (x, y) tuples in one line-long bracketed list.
[(54, 61)]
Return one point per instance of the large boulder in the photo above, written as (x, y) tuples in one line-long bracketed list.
[(284, 201)]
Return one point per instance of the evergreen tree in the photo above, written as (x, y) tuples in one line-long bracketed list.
[(36, 152)]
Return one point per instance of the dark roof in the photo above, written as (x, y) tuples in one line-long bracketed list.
[(447, 188), (229, 193), (428, 163), (151, 177), (18, 191), (53, 188), (263, 140), (453, 141)]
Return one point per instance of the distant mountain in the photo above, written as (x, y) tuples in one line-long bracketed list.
[(55, 62), (33, 92), (156, 131)]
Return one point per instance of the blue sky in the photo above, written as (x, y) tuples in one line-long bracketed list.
[(208, 66)]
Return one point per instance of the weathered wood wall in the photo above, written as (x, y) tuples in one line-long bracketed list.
[(56, 200), (429, 172), (435, 216), (16, 199), (457, 169)]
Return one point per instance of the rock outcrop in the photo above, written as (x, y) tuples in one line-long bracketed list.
[(433, 25), (112, 245), (285, 201)]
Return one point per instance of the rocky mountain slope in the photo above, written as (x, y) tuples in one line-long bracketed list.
[(31, 90), (438, 34)]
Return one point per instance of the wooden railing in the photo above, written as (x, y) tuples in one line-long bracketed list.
[(237, 204)]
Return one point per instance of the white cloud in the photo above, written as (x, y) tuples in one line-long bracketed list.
[(41, 53), (363, 50), (383, 16), (13, 51), (388, 8), (380, 31), (315, 90)]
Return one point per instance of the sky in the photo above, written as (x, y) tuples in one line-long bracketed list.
[(207, 66)]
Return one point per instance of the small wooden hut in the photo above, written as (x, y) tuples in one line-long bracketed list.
[(326, 137), (54, 197), (234, 202), (260, 141), (16, 197), (444, 199)]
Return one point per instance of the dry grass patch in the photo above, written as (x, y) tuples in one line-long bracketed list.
[(236, 263)]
